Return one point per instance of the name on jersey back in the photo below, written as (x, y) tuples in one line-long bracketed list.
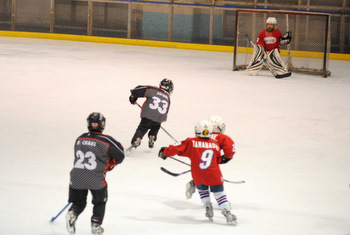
[(207, 145), (86, 142), (163, 95)]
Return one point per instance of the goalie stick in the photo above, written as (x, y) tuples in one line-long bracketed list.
[(273, 71), (182, 173)]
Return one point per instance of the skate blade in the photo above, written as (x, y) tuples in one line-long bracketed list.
[(130, 150)]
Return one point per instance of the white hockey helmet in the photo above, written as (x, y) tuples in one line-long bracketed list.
[(271, 20), (203, 129), (218, 124)]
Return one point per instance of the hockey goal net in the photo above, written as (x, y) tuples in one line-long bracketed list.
[(309, 49)]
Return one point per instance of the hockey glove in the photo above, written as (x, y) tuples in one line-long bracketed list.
[(132, 99), (224, 159), (161, 153), (112, 164), (286, 38)]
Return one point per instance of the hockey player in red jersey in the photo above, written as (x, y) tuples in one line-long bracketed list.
[(95, 155), (226, 144), (204, 153), (267, 49), (154, 111)]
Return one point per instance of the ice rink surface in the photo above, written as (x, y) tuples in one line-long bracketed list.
[(292, 140)]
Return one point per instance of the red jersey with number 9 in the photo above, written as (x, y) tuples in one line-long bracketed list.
[(203, 154)]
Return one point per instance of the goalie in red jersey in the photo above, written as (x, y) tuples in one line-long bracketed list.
[(267, 49), (204, 153)]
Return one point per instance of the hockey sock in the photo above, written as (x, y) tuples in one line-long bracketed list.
[(204, 195), (222, 201)]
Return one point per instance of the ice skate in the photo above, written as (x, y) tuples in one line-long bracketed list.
[(70, 222), (151, 141), (231, 218), (96, 229), (134, 145), (190, 189), (209, 211)]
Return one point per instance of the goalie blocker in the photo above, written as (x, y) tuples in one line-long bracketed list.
[(272, 59)]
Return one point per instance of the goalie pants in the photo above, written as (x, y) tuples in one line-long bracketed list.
[(144, 126), (99, 198)]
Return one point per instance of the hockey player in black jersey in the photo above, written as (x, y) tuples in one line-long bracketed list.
[(95, 154), (154, 111)]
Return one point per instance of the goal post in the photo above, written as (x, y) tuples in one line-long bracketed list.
[(309, 49)]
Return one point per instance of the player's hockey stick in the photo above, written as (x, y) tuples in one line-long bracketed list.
[(235, 182), (180, 161), (174, 174), (161, 127), (53, 218), (182, 173)]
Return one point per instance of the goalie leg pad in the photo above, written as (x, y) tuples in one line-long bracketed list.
[(256, 63), (276, 64)]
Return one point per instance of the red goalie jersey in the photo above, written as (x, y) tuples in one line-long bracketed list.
[(204, 154), (269, 40)]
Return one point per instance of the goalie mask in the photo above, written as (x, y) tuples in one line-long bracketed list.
[(96, 122), (167, 85), (218, 124), (203, 129), (271, 23)]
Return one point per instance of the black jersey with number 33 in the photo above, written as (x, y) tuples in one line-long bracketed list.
[(94, 153), (157, 104)]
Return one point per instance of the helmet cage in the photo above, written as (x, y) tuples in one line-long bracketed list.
[(167, 85), (271, 21), (218, 124), (96, 122)]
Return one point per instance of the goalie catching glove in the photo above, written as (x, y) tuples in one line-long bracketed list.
[(286, 38), (161, 153)]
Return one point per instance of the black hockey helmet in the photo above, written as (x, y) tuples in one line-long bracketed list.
[(96, 122), (167, 85)]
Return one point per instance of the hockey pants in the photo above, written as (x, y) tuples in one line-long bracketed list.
[(99, 198), (144, 126)]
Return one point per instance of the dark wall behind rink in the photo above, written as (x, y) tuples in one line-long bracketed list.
[(191, 22)]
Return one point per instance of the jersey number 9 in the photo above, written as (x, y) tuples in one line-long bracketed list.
[(207, 157)]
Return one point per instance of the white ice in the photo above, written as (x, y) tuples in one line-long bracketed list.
[(292, 138)]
